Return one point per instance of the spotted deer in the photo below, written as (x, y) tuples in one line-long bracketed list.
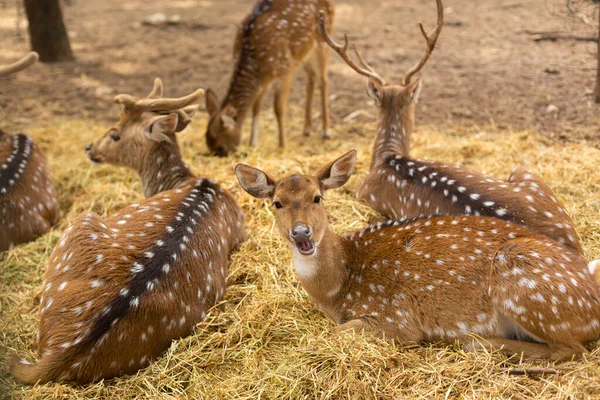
[(440, 278), (276, 38), (118, 290), (28, 202), (399, 186)]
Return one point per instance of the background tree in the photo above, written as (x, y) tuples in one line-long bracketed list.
[(47, 30)]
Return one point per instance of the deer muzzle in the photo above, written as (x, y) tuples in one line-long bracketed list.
[(302, 234)]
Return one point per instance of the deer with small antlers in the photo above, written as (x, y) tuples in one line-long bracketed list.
[(118, 291), (276, 38), (28, 202), (441, 278), (399, 186)]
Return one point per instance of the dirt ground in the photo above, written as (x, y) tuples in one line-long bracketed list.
[(486, 69)]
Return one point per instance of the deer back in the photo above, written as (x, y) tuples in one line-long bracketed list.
[(402, 187), (118, 291), (28, 203), (444, 278)]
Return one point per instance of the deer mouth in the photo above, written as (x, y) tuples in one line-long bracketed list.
[(306, 248)]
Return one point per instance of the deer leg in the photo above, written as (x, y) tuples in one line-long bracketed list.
[(322, 58), (357, 325), (310, 92), (281, 97), (255, 114), (553, 352)]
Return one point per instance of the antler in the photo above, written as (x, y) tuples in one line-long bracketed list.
[(364, 69), (20, 65), (431, 41), (155, 103)]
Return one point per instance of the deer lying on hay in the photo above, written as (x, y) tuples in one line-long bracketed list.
[(441, 278), (119, 290), (28, 203), (277, 37), (399, 186)]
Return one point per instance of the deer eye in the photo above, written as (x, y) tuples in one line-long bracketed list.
[(318, 199), (115, 137), (277, 204)]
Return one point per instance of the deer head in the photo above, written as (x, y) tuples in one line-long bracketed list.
[(398, 98), (147, 126), (223, 133), (300, 215), (20, 65)]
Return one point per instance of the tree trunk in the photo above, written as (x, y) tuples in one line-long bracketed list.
[(47, 30), (597, 91)]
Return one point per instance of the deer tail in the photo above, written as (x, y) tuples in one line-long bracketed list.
[(27, 372)]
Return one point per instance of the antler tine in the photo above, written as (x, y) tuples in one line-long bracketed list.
[(20, 65), (366, 70), (157, 90), (156, 103), (431, 40)]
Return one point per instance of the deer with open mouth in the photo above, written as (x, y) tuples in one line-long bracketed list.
[(441, 278)]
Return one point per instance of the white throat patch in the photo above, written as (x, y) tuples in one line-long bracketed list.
[(306, 266)]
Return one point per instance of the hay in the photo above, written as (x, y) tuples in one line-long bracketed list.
[(266, 339)]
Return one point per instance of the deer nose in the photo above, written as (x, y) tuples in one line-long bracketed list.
[(301, 232), (88, 147), (220, 151)]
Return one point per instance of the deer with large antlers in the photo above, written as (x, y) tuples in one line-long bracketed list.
[(400, 186), (119, 290), (441, 278), (28, 202), (275, 39)]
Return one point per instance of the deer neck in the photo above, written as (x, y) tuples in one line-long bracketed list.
[(324, 274), (243, 90), (393, 134), (163, 169)]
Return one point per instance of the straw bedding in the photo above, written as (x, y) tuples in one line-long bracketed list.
[(266, 339)]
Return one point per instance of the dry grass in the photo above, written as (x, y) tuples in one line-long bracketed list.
[(266, 339)]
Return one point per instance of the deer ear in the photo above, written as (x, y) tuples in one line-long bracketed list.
[(254, 181), (186, 115), (338, 172), (212, 102), (161, 128), (414, 89), (228, 117), (374, 90)]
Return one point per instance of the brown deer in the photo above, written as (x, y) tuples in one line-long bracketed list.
[(440, 278), (119, 290), (400, 186), (28, 202), (277, 37)]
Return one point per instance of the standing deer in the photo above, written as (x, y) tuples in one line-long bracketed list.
[(118, 291), (28, 203), (441, 278), (277, 37), (399, 186)]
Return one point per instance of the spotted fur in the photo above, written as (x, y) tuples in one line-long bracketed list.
[(28, 203), (435, 278)]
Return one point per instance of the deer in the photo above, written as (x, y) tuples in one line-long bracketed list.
[(29, 205), (118, 290), (488, 283), (400, 186), (274, 40)]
